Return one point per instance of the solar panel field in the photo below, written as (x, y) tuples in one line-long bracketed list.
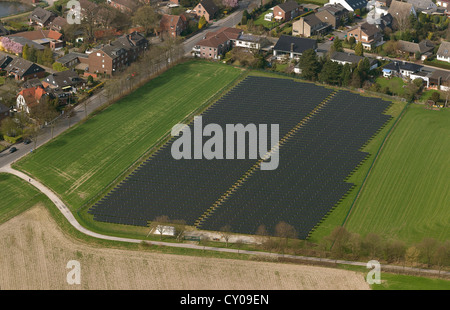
[(321, 131)]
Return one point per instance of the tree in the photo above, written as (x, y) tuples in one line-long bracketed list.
[(309, 64), (331, 73), (90, 79), (146, 17), (286, 231), (395, 250), (225, 233), (10, 128), (339, 239), (336, 46), (412, 255), (352, 41), (359, 49), (427, 248), (25, 52), (69, 112), (435, 96), (346, 75), (202, 22), (59, 67), (372, 245), (180, 228)]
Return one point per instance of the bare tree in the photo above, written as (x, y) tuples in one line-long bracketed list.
[(286, 231), (372, 244), (225, 233), (427, 248), (180, 228)]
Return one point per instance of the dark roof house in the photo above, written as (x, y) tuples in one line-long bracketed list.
[(293, 46), (4, 61), (62, 80), (23, 69), (41, 16)]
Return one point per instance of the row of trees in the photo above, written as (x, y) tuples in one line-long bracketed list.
[(340, 244), (326, 71), (44, 57)]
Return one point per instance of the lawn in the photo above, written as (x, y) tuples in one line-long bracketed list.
[(407, 194), (17, 196), (266, 24), (395, 84), (84, 160)]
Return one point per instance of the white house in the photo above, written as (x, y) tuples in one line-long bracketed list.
[(248, 41), (443, 53)]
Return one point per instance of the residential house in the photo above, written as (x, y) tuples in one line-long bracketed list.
[(250, 41), (4, 112), (172, 25), (23, 69), (424, 6), (350, 5), (369, 35), (34, 82), (14, 45), (206, 8), (4, 61), (45, 38), (41, 17), (309, 25), (118, 54), (443, 3), (65, 80), (29, 97), (215, 44), (443, 53), (286, 11), (351, 59), (335, 15), (58, 23), (307, 7), (125, 6), (401, 11), (424, 48), (292, 47), (401, 69), (440, 79), (72, 59)]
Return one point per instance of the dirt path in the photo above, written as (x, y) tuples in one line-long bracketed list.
[(34, 253)]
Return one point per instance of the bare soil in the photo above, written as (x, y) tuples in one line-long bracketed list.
[(34, 253)]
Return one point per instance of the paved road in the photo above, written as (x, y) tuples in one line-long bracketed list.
[(230, 21)]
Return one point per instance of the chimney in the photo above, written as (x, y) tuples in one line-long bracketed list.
[(292, 47)]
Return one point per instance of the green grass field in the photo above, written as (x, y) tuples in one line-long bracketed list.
[(407, 195), (403, 282), (81, 162), (17, 196)]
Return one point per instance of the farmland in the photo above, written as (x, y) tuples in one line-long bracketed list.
[(85, 159), (17, 196), (409, 183), (34, 253)]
